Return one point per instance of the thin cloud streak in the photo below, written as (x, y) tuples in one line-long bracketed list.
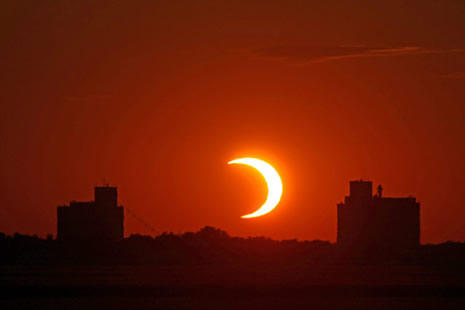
[(306, 55)]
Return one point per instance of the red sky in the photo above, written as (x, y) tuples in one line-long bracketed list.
[(157, 96)]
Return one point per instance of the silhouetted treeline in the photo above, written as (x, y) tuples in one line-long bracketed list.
[(210, 246)]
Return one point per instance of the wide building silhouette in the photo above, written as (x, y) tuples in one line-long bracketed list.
[(367, 222), (92, 221)]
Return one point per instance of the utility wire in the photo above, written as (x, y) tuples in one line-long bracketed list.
[(134, 215)]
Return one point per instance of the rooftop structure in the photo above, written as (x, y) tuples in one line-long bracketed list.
[(372, 222), (98, 220)]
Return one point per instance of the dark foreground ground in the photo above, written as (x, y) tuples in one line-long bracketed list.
[(231, 287)]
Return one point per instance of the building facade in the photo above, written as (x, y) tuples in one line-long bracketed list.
[(372, 222), (98, 220)]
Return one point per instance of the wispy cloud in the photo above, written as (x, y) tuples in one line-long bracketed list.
[(303, 55)]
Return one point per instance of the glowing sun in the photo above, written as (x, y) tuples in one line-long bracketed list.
[(273, 180)]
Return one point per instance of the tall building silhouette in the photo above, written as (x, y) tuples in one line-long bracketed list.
[(372, 222), (98, 220)]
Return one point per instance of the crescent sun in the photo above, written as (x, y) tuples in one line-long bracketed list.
[(273, 180)]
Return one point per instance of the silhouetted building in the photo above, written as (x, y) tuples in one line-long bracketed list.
[(367, 222), (99, 220)]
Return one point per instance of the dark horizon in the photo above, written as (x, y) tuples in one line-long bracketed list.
[(215, 246), (164, 233)]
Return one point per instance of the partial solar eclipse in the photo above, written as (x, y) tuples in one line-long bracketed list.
[(273, 180)]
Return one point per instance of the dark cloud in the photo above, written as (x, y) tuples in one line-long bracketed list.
[(303, 55)]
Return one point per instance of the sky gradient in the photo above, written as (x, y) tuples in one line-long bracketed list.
[(157, 96)]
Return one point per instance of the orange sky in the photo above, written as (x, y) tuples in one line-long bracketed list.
[(156, 97)]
